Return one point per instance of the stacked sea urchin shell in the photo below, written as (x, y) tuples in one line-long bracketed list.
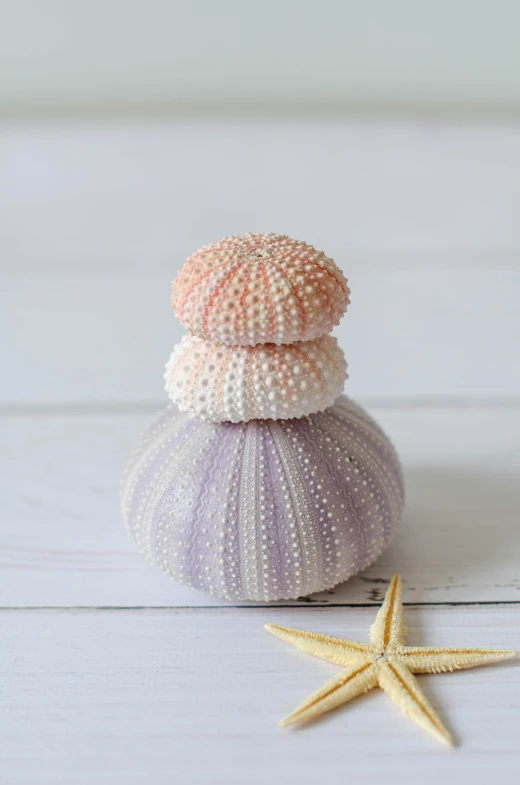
[(257, 485), (259, 288), (259, 308), (239, 383)]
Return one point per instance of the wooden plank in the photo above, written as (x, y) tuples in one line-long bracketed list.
[(63, 541), (407, 333), (191, 696), (142, 196)]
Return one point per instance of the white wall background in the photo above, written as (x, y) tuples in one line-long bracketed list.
[(382, 133), (262, 54)]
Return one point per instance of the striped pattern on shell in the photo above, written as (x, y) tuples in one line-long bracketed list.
[(239, 383), (267, 509), (259, 288)]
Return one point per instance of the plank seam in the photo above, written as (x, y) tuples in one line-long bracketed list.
[(306, 604)]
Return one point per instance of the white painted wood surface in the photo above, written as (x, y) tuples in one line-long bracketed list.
[(142, 196), (194, 696)]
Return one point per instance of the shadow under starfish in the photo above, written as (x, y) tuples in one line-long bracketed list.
[(385, 662)]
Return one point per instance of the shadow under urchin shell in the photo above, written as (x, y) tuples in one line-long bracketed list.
[(266, 509)]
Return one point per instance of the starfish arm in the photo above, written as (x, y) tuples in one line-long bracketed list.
[(436, 660), (348, 684), (342, 652), (389, 628), (403, 688)]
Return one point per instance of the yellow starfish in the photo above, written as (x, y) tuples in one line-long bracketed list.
[(385, 661)]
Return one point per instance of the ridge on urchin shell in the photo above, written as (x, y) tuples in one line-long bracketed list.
[(259, 288), (240, 383)]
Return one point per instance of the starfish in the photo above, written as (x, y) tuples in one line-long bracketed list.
[(385, 662)]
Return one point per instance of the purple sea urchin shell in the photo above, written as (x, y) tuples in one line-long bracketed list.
[(265, 509)]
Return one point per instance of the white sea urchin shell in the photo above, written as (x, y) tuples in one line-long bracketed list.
[(240, 383)]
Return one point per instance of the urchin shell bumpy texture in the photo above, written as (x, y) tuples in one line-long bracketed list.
[(263, 510), (239, 383), (259, 288)]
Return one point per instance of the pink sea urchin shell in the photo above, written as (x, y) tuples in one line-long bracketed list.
[(239, 383), (259, 288)]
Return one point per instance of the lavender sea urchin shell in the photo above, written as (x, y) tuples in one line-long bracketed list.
[(265, 509)]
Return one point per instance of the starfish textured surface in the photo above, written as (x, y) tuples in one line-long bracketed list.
[(385, 662)]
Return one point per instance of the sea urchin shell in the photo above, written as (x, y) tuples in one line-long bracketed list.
[(259, 288), (239, 383), (266, 509)]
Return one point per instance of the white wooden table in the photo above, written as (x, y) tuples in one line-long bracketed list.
[(113, 674)]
